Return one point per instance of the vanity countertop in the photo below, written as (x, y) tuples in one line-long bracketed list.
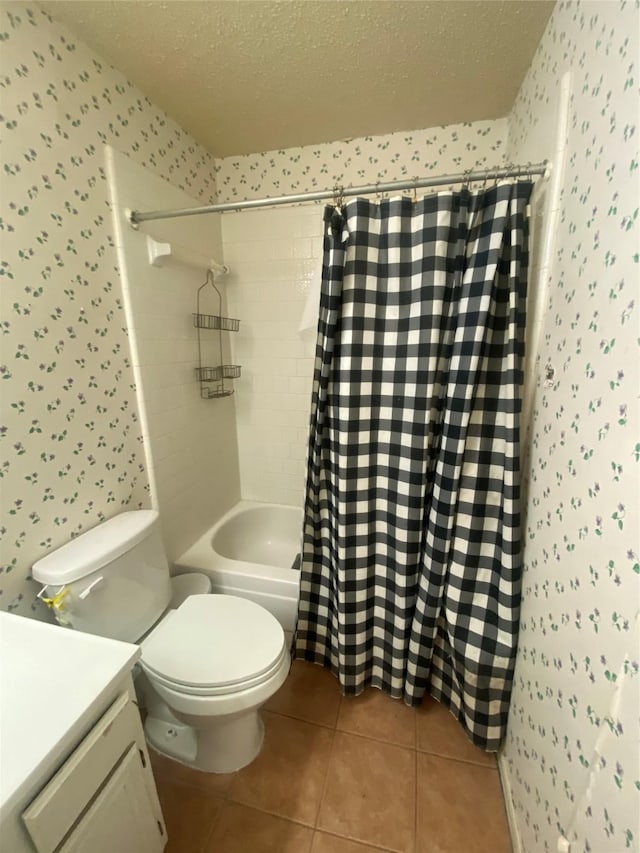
[(53, 683)]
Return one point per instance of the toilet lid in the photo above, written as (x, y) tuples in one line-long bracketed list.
[(214, 641)]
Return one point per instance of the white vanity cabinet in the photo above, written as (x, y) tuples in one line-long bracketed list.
[(103, 798), (122, 817), (75, 775)]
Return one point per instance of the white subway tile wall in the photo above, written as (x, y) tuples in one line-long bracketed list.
[(273, 254), (189, 443)]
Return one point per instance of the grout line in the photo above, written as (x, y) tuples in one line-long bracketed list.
[(459, 760), (415, 798), (355, 841), (376, 740), (326, 779), (266, 811), (301, 719), (326, 775), (205, 846)]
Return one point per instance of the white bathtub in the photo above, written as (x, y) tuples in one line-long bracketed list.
[(249, 552)]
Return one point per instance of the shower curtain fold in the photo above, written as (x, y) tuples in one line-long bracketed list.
[(410, 569)]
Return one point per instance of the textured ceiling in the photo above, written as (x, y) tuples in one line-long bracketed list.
[(253, 75)]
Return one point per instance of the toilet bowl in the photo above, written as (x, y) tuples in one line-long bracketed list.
[(212, 663), (208, 663)]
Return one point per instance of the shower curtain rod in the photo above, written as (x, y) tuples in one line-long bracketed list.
[(135, 217)]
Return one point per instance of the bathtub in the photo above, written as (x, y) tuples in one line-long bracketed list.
[(249, 552)]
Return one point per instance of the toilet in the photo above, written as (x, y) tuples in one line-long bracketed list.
[(209, 662)]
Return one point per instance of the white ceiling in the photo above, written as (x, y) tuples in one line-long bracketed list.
[(254, 75)]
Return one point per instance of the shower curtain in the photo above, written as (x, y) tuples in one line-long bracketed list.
[(411, 569)]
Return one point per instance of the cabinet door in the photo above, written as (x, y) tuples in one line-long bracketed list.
[(64, 798), (122, 818)]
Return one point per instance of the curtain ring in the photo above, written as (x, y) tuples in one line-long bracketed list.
[(338, 197), (466, 178), (415, 190)]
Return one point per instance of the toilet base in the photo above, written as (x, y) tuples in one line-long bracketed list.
[(173, 739), (213, 745)]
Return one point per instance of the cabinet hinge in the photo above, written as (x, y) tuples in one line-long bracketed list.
[(160, 827), (142, 758)]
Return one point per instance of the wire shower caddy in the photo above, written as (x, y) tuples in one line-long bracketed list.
[(212, 379)]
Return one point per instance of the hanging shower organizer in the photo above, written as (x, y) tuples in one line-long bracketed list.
[(212, 379)]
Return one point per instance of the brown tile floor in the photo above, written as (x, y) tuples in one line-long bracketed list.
[(340, 775)]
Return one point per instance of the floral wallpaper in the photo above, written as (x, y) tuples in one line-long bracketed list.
[(69, 423), (367, 160), (571, 759)]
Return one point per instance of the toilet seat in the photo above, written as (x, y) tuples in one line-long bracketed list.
[(217, 690), (214, 644)]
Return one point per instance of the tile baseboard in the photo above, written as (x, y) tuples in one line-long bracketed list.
[(516, 842)]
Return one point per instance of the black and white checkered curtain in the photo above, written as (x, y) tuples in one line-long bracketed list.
[(410, 574)]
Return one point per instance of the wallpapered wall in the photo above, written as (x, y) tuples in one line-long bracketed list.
[(69, 424), (574, 716), (434, 151), (274, 253)]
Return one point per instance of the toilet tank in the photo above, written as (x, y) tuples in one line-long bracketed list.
[(112, 580)]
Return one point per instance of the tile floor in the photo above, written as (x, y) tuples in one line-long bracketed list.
[(341, 775)]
